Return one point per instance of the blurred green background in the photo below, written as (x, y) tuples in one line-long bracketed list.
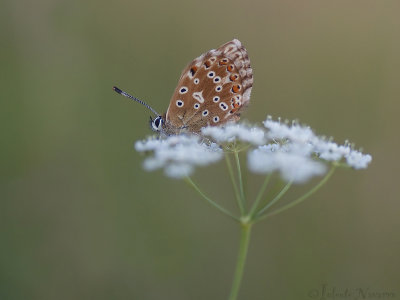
[(80, 219)]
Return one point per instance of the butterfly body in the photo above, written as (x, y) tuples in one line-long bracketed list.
[(212, 90)]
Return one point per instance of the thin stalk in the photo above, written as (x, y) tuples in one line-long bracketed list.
[(259, 195), (241, 260), (302, 198), (277, 197), (240, 180), (235, 188), (213, 203)]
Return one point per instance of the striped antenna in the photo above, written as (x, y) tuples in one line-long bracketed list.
[(134, 98)]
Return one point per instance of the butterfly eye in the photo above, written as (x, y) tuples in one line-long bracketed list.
[(179, 103), (216, 119), (218, 88), (156, 124), (196, 106), (211, 74), (216, 99), (205, 112), (229, 68), (196, 81), (183, 90), (217, 79)]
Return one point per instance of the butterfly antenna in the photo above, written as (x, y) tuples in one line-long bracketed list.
[(135, 99)]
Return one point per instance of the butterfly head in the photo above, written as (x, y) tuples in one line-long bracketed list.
[(157, 124)]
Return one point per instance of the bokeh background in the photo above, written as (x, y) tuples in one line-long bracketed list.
[(80, 219)]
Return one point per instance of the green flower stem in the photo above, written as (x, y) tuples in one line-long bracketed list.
[(259, 195), (302, 198), (277, 197), (213, 203), (244, 245), (240, 181), (235, 188)]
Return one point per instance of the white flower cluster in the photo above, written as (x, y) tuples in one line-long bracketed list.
[(295, 132), (232, 132), (324, 149), (294, 151), (291, 161), (178, 154)]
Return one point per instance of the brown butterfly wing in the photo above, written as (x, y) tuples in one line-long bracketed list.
[(212, 90)]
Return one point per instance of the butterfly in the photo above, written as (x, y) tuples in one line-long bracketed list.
[(212, 90)]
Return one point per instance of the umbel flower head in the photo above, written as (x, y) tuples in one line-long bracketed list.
[(178, 154), (292, 150)]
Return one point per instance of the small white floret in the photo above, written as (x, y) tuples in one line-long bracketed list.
[(357, 160)]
